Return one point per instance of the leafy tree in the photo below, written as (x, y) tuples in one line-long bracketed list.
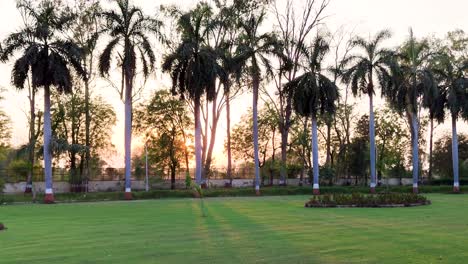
[(163, 122), (48, 57), (85, 29), (128, 29), (391, 141), (364, 69), (313, 95), (443, 156), (242, 138), (69, 125)]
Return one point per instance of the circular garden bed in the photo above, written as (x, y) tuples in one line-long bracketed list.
[(384, 200)]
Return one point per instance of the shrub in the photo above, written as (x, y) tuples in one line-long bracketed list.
[(367, 200), (2, 185)]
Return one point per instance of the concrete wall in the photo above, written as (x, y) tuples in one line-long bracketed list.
[(108, 186)]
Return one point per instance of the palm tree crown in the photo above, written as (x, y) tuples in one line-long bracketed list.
[(47, 55)]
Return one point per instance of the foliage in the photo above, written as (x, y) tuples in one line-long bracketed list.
[(68, 125), (366, 200), (242, 139), (47, 55), (5, 129), (443, 156), (163, 122)]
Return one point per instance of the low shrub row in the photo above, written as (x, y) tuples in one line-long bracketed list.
[(367, 200), (217, 192)]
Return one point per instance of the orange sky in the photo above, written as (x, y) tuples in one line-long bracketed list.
[(426, 17)]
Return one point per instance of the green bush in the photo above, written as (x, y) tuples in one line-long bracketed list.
[(2, 185), (366, 200)]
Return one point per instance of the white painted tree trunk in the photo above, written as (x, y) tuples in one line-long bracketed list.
[(456, 183), (128, 137), (415, 151), (315, 156), (47, 145), (373, 182)]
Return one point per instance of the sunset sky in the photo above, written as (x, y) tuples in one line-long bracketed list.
[(426, 17)]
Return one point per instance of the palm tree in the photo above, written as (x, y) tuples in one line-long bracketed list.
[(413, 87), (129, 28), (435, 103), (313, 95), (373, 64), (194, 69), (452, 73), (253, 49), (48, 58)]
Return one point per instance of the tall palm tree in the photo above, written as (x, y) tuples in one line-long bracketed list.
[(194, 69), (48, 58), (314, 94), (253, 49), (128, 29), (412, 87), (453, 77), (364, 69), (435, 104)]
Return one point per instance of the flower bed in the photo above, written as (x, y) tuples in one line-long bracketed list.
[(367, 200)]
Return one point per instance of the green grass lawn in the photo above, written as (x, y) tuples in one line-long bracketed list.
[(235, 230)]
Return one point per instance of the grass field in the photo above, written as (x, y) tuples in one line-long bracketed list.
[(235, 230)]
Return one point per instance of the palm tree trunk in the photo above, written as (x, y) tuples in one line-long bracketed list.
[(373, 183), (431, 141), (214, 125), (128, 138), (49, 193), (198, 150), (256, 84), (32, 138), (316, 188), (456, 183), (414, 120), (228, 137), (87, 131), (328, 160)]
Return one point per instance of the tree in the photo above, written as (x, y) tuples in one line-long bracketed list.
[(69, 125), (225, 30), (294, 31), (443, 162), (313, 95), (194, 68), (242, 138), (5, 129), (253, 49), (413, 83), (49, 59), (85, 30), (452, 72), (128, 28), (391, 141), (360, 75), (163, 121)]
